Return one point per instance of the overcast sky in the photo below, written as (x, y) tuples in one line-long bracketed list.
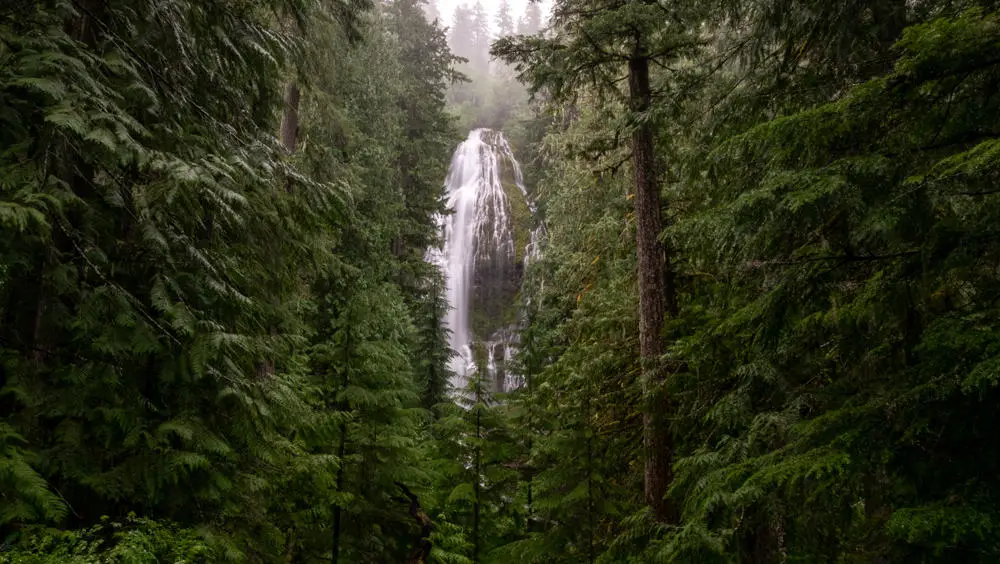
[(447, 8)]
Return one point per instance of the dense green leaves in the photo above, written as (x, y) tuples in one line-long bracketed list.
[(215, 345), (134, 540), (839, 220), (181, 298), (830, 182)]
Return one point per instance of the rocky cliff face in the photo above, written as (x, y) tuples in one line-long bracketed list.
[(486, 244)]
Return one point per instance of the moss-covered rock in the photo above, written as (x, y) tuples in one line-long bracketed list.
[(499, 272), (494, 307), (522, 221)]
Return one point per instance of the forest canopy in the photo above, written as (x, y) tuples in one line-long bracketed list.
[(757, 320)]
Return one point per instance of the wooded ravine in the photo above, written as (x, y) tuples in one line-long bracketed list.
[(602, 281)]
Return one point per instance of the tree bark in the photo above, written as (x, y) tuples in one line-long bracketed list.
[(529, 471), (590, 489), (478, 474), (337, 510), (341, 449), (290, 547), (421, 551), (290, 118), (890, 20), (289, 135), (654, 295), (769, 541)]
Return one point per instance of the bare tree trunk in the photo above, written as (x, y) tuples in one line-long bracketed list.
[(769, 541), (337, 510), (38, 343), (590, 489), (530, 384), (654, 296), (890, 19)]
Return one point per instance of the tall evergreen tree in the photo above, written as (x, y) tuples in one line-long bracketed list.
[(220, 339), (479, 56), (504, 20), (143, 286), (599, 46), (168, 355), (461, 34), (530, 23)]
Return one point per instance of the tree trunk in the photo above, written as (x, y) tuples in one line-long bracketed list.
[(531, 514), (341, 448), (890, 20), (654, 296), (337, 510), (290, 118), (290, 547), (289, 134), (769, 541), (421, 551), (530, 474), (39, 345), (478, 473), (590, 488)]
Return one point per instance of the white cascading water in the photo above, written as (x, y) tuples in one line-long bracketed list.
[(478, 229)]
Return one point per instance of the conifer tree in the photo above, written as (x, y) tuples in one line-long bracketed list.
[(479, 56), (220, 339), (530, 23), (504, 20), (143, 286), (833, 321), (601, 45)]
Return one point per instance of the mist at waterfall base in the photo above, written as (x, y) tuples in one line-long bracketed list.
[(478, 257)]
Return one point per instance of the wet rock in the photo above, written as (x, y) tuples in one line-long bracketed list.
[(486, 243)]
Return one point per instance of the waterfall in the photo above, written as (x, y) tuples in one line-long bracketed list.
[(479, 256)]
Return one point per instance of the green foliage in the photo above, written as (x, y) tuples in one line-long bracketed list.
[(830, 185), (474, 484), (133, 541), (830, 397), (25, 494), (143, 291), (181, 298), (489, 96), (575, 427), (214, 347)]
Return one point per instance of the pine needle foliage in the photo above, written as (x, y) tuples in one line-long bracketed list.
[(142, 287), (220, 339), (830, 169), (839, 385), (181, 294)]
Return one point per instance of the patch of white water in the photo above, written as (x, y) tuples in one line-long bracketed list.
[(479, 228)]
